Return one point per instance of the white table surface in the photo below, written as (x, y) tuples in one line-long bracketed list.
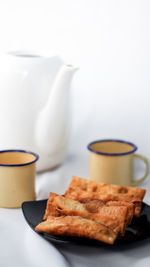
[(20, 246)]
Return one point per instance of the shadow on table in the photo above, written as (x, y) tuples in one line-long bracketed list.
[(79, 255)]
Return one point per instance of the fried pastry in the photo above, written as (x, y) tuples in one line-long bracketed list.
[(83, 188), (51, 207), (93, 210), (92, 186), (77, 226), (94, 203), (79, 194), (111, 216)]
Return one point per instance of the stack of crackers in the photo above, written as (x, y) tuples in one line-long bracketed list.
[(92, 210)]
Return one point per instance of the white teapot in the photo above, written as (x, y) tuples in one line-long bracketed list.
[(34, 105)]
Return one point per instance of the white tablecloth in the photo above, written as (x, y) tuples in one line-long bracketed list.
[(20, 246)]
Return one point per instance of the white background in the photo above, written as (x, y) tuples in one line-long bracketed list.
[(110, 42)]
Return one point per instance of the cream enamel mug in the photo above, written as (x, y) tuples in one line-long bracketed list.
[(111, 161), (17, 177)]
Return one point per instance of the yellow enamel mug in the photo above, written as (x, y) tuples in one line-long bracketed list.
[(111, 161), (17, 177)]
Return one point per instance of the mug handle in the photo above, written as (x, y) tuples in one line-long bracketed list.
[(140, 157)]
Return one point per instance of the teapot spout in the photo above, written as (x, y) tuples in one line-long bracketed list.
[(52, 126)]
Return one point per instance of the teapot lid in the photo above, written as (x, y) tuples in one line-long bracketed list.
[(34, 54)]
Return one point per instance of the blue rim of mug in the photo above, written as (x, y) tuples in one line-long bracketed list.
[(21, 164), (112, 154)]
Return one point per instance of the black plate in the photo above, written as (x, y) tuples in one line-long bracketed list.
[(139, 229)]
